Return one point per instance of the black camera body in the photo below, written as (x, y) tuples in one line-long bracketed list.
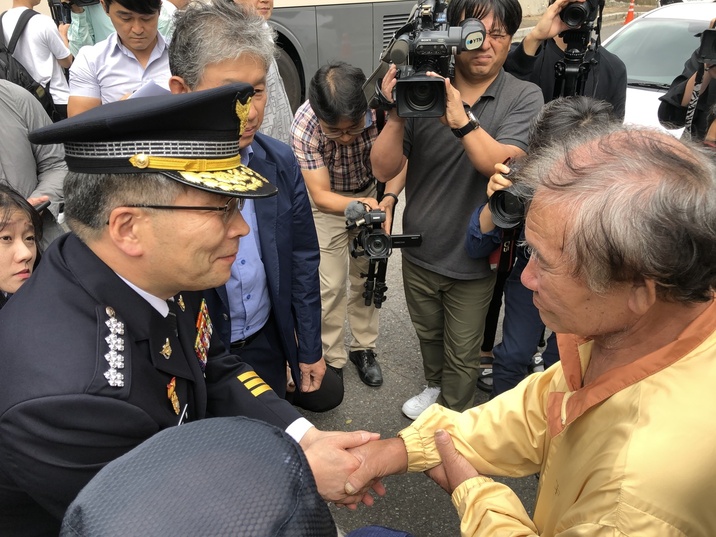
[(507, 206), (580, 14), (707, 49), (373, 242), (427, 43)]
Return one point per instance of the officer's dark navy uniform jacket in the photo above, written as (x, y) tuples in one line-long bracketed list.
[(60, 419)]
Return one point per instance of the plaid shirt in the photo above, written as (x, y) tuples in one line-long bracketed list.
[(348, 165)]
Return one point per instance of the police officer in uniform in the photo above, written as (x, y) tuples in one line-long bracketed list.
[(110, 342)]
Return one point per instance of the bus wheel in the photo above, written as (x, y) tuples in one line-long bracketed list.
[(291, 79)]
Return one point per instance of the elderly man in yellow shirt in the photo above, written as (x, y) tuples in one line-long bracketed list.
[(622, 231)]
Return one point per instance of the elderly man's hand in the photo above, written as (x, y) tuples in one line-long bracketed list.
[(377, 460), (455, 469)]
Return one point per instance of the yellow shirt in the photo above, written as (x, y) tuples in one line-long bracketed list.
[(633, 453)]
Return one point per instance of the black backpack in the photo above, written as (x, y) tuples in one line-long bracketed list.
[(13, 71)]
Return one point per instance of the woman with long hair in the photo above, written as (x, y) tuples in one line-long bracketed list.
[(20, 233)]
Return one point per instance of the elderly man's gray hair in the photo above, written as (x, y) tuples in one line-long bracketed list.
[(639, 204)]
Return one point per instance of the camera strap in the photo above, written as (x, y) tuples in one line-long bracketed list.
[(508, 249)]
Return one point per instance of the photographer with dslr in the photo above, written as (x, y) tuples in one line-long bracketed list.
[(693, 92), (601, 74), (449, 160), (522, 326), (331, 136)]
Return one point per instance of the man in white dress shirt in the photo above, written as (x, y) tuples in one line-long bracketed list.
[(125, 61)]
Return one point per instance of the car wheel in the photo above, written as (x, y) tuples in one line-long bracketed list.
[(291, 79)]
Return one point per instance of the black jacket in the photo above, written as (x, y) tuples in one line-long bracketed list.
[(60, 419), (607, 78)]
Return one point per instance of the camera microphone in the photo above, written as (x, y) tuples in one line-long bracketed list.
[(354, 212), (399, 51)]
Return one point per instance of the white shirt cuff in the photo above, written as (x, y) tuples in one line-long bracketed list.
[(298, 428)]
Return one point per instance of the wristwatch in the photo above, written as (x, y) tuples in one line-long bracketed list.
[(472, 124)]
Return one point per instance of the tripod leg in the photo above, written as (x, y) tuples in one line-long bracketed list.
[(369, 283), (380, 286)]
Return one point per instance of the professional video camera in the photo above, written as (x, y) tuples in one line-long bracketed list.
[(425, 43), (571, 72), (376, 245)]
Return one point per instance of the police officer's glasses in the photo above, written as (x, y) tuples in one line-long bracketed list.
[(232, 207)]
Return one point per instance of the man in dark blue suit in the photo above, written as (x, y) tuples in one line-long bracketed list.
[(270, 311)]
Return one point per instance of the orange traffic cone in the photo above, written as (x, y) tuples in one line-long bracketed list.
[(630, 13)]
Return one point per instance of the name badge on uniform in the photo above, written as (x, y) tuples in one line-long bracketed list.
[(204, 330)]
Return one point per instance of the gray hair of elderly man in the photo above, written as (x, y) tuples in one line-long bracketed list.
[(208, 32), (639, 204)]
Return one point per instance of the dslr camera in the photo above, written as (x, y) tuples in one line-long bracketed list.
[(508, 205), (707, 48), (427, 43), (580, 15)]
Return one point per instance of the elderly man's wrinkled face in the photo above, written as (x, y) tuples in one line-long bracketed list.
[(565, 303)]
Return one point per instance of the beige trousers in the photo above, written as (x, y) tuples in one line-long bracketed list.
[(342, 288)]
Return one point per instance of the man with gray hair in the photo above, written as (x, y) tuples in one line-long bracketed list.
[(623, 267), (269, 312)]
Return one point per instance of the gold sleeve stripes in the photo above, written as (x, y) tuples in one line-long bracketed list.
[(253, 383)]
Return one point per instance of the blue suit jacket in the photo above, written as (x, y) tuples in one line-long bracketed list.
[(290, 253)]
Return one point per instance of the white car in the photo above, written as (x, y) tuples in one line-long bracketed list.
[(654, 48)]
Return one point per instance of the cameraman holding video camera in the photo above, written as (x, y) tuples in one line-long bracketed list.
[(331, 136), (449, 160), (570, 24)]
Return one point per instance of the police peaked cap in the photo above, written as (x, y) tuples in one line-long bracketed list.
[(192, 138)]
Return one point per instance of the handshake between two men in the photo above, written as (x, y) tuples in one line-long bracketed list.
[(347, 466)]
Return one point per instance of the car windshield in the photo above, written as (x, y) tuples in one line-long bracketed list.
[(655, 50)]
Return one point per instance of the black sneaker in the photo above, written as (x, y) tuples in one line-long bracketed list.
[(368, 368)]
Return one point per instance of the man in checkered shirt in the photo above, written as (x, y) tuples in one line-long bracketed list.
[(332, 135)]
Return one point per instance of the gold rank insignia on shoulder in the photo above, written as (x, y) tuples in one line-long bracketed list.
[(255, 384), (172, 395), (166, 350)]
